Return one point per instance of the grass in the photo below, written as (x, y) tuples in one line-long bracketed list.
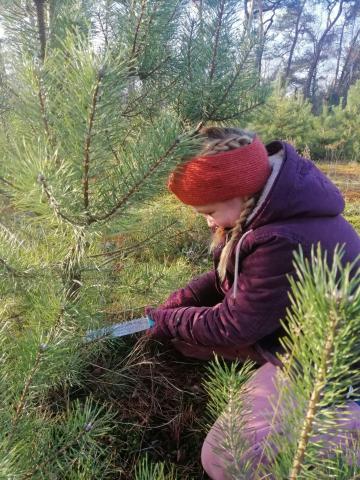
[(347, 178)]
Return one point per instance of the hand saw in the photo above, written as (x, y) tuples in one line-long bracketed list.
[(120, 329)]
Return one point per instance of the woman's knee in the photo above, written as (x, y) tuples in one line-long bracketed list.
[(220, 464), (217, 459), (213, 456)]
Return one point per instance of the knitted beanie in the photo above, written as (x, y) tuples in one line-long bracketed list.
[(216, 178)]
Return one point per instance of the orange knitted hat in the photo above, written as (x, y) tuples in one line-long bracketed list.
[(215, 178)]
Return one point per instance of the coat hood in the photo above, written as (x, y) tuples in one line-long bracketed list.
[(296, 189)]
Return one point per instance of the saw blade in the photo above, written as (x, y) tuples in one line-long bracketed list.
[(120, 329)]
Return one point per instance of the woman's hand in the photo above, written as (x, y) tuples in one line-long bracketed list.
[(155, 330)]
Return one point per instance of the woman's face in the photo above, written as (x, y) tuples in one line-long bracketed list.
[(222, 214)]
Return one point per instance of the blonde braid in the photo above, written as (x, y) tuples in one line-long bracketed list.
[(235, 232), (220, 140)]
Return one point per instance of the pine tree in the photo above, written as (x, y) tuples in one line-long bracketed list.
[(102, 99), (286, 117)]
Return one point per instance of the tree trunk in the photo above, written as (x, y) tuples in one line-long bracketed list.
[(294, 42), (40, 14), (318, 50), (352, 58), (339, 53)]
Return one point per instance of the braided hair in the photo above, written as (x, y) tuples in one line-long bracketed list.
[(217, 140)]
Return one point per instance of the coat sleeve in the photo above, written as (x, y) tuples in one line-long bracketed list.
[(260, 303), (201, 291)]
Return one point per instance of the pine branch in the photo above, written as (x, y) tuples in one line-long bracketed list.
[(21, 403), (131, 112), (157, 67), (53, 202), (314, 399), (2, 179), (238, 71), (42, 104), (217, 37), (10, 269), (87, 428), (152, 16), (188, 50), (137, 185), (40, 14), (118, 253), (237, 114), (137, 29), (72, 270), (86, 163), (10, 235), (42, 348)]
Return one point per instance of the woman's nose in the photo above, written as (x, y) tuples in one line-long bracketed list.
[(210, 222)]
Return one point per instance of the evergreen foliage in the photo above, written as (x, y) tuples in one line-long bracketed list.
[(98, 101), (286, 117), (97, 106), (147, 471), (226, 387), (332, 135)]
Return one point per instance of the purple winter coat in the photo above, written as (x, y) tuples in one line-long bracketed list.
[(301, 206)]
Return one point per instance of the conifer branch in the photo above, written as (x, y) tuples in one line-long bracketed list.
[(157, 67), (130, 111), (314, 399), (72, 270), (237, 114), (137, 29), (41, 97), (10, 235), (143, 242), (86, 163), (21, 403), (9, 268), (137, 185), (42, 348), (118, 253), (42, 104), (40, 15), (86, 429), (238, 71), (152, 16), (2, 179), (53, 202), (188, 51), (217, 37)]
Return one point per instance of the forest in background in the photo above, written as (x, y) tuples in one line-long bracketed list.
[(306, 59), (98, 102)]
